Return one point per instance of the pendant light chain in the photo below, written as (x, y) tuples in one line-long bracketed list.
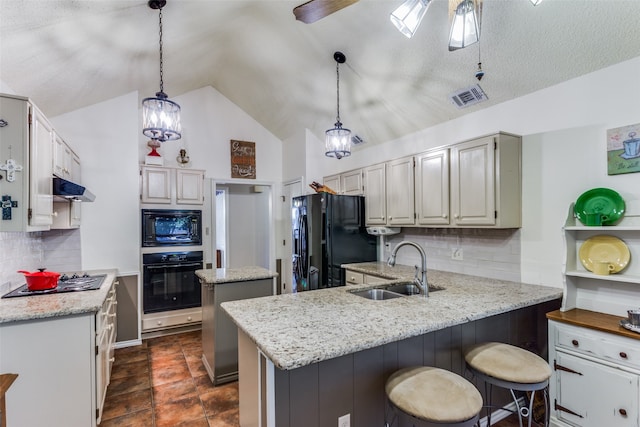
[(161, 71), (338, 92)]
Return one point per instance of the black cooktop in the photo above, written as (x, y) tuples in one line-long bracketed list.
[(73, 283)]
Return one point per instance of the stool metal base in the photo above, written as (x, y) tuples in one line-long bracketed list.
[(391, 408), (522, 411)]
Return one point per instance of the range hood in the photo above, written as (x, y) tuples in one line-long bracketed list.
[(71, 190)]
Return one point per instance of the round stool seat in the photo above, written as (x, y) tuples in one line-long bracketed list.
[(508, 363), (433, 394)]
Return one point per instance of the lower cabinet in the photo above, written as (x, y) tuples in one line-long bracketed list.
[(596, 378), (356, 278), (63, 364)]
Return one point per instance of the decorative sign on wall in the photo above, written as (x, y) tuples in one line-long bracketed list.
[(623, 149), (243, 159)]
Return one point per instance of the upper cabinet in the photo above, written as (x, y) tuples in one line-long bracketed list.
[(389, 193), (157, 185), (432, 187), (66, 163), (347, 183), (26, 144)]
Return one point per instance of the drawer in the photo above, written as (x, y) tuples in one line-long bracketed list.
[(353, 278), (168, 320), (374, 279), (107, 311), (612, 348)]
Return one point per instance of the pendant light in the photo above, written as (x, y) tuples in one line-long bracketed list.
[(338, 140), (465, 28), (160, 115), (536, 2), (408, 15)]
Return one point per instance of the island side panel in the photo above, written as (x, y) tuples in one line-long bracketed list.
[(300, 392)]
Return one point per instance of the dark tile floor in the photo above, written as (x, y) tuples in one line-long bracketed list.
[(163, 383)]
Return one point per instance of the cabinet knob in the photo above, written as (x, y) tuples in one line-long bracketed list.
[(575, 343), (159, 322), (444, 215), (111, 360), (390, 218), (623, 354), (456, 216), (189, 318), (623, 412)]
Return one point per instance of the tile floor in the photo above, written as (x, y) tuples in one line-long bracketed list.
[(162, 383)]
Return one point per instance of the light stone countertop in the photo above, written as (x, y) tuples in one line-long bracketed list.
[(296, 330), (56, 305), (212, 277)]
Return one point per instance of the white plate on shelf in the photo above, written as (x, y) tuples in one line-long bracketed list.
[(625, 324), (603, 248)]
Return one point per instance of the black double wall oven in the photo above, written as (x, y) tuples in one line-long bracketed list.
[(169, 280)]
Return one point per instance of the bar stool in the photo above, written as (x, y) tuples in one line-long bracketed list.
[(433, 395), (513, 368)]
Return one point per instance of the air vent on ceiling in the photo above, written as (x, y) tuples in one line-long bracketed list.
[(468, 96), (357, 140)]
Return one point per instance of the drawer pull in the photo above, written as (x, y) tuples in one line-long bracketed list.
[(575, 343), (623, 354), (623, 412)]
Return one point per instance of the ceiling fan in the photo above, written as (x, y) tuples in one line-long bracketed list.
[(314, 10)]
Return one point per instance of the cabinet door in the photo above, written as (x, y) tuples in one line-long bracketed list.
[(432, 188), (189, 187), (351, 183), (595, 395), (400, 192), (58, 156), (40, 172), (473, 182), (156, 185), (333, 182), (74, 168), (375, 196)]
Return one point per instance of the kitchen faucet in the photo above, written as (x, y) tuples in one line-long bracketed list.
[(421, 283)]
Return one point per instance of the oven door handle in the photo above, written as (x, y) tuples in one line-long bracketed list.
[(191, 264)]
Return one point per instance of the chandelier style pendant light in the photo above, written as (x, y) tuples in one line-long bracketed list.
[(408, 15), (338, 140), (465, 29), (160, 115), (536, 2)]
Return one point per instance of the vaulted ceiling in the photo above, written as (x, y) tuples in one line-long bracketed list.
[(67, 54)]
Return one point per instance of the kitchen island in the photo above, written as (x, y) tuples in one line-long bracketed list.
[(327, 353), (219, 337), (61, 346)]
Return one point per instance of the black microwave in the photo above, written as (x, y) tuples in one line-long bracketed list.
[(167, 227)]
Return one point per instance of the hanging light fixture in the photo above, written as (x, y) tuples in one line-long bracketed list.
[(160, 115), (408, 15), (338, 140), (465, 28), (536, 2)]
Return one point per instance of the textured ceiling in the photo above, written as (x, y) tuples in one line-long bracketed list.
[(67, 54)]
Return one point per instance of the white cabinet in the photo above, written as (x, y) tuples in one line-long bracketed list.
[(66, 163), (66, 215), (347, 183), (357, 278), (63, 365), (486, 182), (158, 185), (389, 193), (189, 187), (432, 187), (375, 194), (595, 378), (40, 175)]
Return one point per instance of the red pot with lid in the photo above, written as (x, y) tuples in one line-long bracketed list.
[(40, 280)]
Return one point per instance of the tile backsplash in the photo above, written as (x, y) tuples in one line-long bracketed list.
[(492, 253), (57, 250)]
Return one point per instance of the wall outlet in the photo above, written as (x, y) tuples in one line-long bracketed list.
[(344, 421), (456, 253)]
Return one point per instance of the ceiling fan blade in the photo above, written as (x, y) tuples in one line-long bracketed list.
[(314, 10)]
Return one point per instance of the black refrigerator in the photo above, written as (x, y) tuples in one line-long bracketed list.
[(328, 231)]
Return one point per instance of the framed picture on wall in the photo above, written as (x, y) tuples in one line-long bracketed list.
[(243, 159), (623, 149)]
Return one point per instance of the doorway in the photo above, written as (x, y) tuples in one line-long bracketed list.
[(242, 222)]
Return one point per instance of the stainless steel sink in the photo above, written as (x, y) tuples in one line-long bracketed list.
[(409, 288), (377, 294)]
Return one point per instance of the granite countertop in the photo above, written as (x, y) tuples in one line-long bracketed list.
[(295, 330), (56, 305), (218, 276)]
